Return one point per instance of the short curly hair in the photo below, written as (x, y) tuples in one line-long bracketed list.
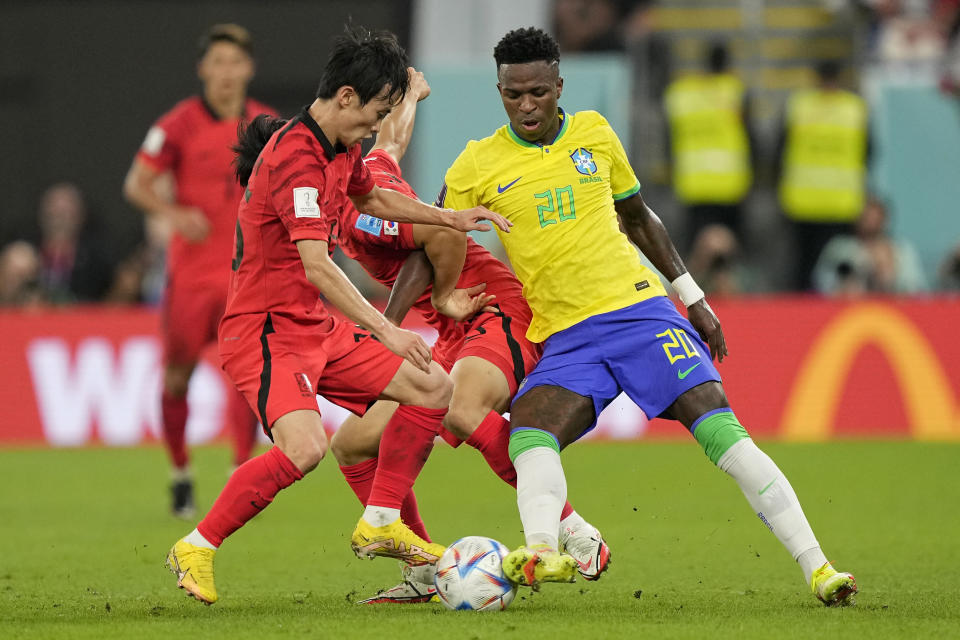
[(526, 45)]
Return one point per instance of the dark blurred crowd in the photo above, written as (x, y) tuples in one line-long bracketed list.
[(843, 253)]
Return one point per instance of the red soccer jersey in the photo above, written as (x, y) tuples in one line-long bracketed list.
[(382, 247), (299, 185), (194, 144)]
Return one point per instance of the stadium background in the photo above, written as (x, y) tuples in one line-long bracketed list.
[(80, 82)]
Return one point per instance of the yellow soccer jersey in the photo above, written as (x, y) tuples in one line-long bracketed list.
[(565, 244)]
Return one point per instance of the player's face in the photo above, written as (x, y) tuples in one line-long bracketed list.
[(225, 70), (363, 121), (529, 92)]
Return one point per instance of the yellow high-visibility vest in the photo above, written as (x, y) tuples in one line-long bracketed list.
[(824, 161), (711, 154)]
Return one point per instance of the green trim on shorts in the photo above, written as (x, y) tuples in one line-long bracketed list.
[(523, 439), (718, 432)]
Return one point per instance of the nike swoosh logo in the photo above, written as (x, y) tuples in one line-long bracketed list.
[(509, 184), (683, 374), (762, 491)]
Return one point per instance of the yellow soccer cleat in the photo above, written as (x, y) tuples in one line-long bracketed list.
[(529, 566), (194, 569), (832, 587), (394, 540)]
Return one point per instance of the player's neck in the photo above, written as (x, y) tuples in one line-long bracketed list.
[(226, 107), (550, 135), (324, 113)]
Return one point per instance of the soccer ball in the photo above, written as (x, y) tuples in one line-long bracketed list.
[(470, 576)]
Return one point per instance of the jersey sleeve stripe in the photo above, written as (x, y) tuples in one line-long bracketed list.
[(632, 191)]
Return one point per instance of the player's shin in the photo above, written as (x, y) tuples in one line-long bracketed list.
[(541, 484), (763, 484), (250, 489)]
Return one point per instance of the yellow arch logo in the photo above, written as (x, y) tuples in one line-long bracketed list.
[(927, 395)]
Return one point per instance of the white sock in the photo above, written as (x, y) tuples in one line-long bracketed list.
[(773, 500), (198, 540), (180, 474), (380, 516), (541, 493)]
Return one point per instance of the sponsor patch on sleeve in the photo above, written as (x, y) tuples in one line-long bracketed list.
[(305, 202), (391, 228), (153, 143), (369, 224)]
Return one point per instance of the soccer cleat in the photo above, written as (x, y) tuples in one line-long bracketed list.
[(193, 566), (588, 548), (833, 588), (181, 493), (529, 566), (394, 540), (407, 592)]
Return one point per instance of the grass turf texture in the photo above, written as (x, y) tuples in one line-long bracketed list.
[(85, 531)]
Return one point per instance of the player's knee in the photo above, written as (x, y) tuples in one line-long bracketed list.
[(348, 451), (438, 391), (176, 380), (717, 432), (306, 453), (463, 418)]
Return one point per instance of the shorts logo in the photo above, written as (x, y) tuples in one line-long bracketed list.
[(306, 389), (583, 162), (369, 224), (153, 143), (522, 384), (391, 228), (305, 202), (683, 374)]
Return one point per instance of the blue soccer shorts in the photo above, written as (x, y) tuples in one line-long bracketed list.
[(647, 350)]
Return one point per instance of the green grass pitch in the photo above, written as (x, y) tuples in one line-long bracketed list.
[(84, 534)]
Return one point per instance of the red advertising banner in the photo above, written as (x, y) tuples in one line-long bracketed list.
[(799, 369)]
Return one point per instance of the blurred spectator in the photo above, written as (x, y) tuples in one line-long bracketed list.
[(710, 144), (590, 25), (73, 267), (950, 80), (19, 274), (715, 262), (870, 261), (909, 31), (948, 277), (822, 155)]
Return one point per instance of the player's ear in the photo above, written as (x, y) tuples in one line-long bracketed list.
[(499, 89), (559, 85), (345, 96)]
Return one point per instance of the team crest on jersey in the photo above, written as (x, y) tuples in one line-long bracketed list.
[(369, 224), (583, 161)]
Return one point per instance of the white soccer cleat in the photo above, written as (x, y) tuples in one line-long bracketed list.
[(588, 548), (417, 587)]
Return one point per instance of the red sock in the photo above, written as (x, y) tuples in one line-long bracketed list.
[(173, 414), (404, 447), (492, 440), (360, 478), (248, 492), (243, 423)]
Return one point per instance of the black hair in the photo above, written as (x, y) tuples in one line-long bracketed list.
[(829, 70), (367, 62), (232, 33), (251, 139), (718, 57), (526, 45)]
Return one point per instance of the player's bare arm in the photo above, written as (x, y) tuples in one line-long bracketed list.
[(140, 188), (414, 277), (646, 230), (397, 128), (446, 250), (326, 276), (391, 205)]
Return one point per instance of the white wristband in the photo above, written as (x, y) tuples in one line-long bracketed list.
[(688, 290)]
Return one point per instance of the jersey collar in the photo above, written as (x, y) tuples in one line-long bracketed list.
[(329, 150), (564, 123)]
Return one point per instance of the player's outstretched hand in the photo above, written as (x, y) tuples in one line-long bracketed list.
[(418, 84), (469, 220), (705, 321), (191, 223), (406, 344), (466, 303)]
